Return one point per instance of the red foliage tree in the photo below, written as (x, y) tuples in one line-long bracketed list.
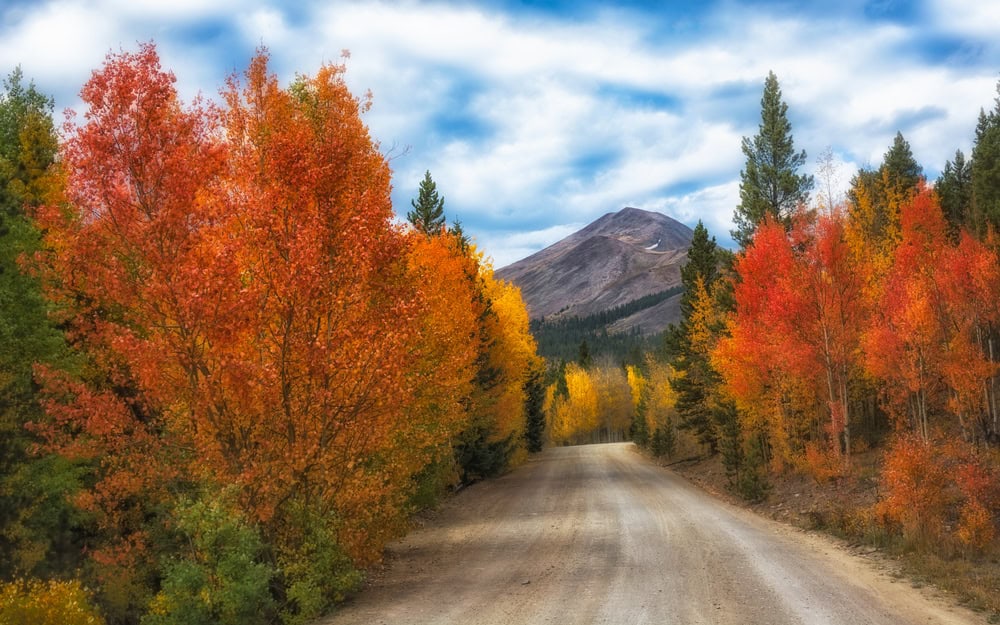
[(238, 281), (799, 315)]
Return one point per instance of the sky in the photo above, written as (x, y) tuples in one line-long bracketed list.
[(535, 118)]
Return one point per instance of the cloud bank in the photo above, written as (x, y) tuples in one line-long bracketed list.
[(534, 121)]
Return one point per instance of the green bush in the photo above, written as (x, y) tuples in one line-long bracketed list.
[(220, 578), (751, 479), (315, 569)]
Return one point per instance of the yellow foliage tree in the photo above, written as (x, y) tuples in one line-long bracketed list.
[(662, 397), (55, 602), (614, 403), (637, 384), (574, 418), (512, 355)]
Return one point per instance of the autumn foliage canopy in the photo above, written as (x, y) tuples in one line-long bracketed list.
[(258, 327)]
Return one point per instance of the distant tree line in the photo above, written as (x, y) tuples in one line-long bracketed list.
[(560, 338)]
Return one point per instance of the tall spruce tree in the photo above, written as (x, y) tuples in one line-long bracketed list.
[(954, 188), (35, 513), (427, 215), (534, 408), (702, 260), (769, 184), (986, 169), (900, 170), (695, 379)]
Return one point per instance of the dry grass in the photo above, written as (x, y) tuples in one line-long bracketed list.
[(975, 583)]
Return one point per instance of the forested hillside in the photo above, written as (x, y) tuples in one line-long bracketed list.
[(561, 338)]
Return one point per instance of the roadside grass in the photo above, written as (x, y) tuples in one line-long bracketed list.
[(976, 584)]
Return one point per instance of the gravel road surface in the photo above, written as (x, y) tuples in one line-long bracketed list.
[(598, 534)]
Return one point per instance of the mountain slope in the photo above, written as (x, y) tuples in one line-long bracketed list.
[(618, 258)]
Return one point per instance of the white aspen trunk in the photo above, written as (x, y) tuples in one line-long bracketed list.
[(830, 387), (993, 384), (847, 419)]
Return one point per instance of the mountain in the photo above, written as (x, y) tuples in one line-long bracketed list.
[(615, 260)]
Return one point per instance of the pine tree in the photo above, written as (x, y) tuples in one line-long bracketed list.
[(669, 438), (702, 260), (769, 184), (458, 232), (584, 358), (899, 169), (954, 188), (534, 410), (695, 381), (986, 169), (427, 215), (35, 512)]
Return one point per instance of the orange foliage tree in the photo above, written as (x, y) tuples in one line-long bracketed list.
[(932, 339), (795, 336), (121, 253), (252, 314)]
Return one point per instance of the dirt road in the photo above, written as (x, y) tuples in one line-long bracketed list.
[(597, 534)]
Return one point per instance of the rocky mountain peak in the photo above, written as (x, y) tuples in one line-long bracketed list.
[(614, 260)]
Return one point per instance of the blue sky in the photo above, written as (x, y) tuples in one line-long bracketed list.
[(535, 118)]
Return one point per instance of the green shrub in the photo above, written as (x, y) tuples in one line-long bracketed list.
[(220, 578), (316, 571)]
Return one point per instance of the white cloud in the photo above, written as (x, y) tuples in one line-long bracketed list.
[(57, 43), (266, 24), (551, 135), (168, 10), (970, 18), (713, 205), (512, 246)]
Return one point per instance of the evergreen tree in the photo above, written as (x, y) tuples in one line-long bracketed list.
[(427, 215), (695, 386), (668, 439), (954, 188), (769, 184), (696, 380), (986, 169), (458, 232), (562, 389), (584, 357), (656, 442), (477, 453), (876, 196), (534, 399), (639, 429), (900, 171), (702, 260), (35, 515)]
